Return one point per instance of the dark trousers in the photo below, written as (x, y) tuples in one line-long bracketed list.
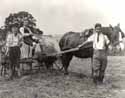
[(99, 65), (14, 57)]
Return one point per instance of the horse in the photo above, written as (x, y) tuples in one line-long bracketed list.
[(72, 39)]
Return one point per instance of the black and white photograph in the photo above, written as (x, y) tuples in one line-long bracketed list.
[(62, 49)]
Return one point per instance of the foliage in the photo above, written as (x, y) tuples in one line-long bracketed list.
[(19, 19)]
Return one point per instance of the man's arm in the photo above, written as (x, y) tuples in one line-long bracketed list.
[(30, 32), (107, 40), (91, 38), (8, 40), (79, 46)]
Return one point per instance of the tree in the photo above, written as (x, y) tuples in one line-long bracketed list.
[(19, 19)]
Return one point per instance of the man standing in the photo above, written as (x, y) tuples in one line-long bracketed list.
[(100, 44), (13, 45)]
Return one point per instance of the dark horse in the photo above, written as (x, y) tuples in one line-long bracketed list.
[(73, 39)]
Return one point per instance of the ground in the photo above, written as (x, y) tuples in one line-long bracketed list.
[(78, 84)]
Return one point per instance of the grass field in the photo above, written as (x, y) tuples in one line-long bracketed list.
[(78, 84)]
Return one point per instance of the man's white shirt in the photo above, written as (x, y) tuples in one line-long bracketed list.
[(101, 44), (12, 40)]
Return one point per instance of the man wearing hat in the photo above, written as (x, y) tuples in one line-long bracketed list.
[(13, 40), (100, 44)]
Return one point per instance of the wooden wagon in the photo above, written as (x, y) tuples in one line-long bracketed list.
[(29, 61)]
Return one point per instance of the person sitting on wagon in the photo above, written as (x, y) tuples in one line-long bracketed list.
[(27, 35)]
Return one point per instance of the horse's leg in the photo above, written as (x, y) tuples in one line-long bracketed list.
[(33, 52), (92, 66), (47, 65), (5, 69), (59, 64), (11, 71), (14, 70), (2, 70), (66, 58), (30, 65)]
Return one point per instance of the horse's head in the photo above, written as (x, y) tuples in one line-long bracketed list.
[(115, 36), (118, 36), (87, 33)]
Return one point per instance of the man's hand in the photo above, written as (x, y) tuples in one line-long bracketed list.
[(79, 46), (110, 47)]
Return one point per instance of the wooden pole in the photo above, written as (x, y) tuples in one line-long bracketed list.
[(65, 51)]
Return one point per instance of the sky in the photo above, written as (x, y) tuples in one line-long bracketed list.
[(61, 16)]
